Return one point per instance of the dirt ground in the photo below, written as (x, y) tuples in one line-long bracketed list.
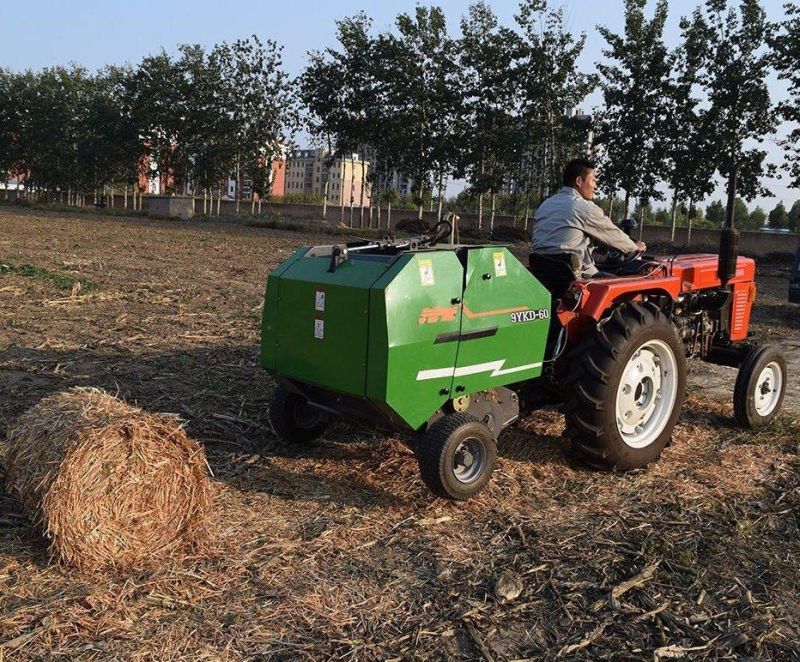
[(337, 551)]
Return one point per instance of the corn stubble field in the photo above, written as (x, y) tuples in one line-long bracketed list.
[(337, 551)]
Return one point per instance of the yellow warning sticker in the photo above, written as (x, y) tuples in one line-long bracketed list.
[(499, 259), (426, 272)]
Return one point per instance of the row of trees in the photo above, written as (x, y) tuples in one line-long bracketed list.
[(491, 105), (680, 119), (779, 218), (196, 117), (487, 105)]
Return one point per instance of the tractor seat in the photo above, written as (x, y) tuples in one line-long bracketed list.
[(552, 271)]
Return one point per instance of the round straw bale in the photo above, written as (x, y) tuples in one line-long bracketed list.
[(109, 485)]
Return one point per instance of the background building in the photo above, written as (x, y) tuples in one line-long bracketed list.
[(396, 180), (307, 169)]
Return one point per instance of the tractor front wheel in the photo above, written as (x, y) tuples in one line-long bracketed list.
[(456, 456), (760, 386), (293, 419), (626, 388)]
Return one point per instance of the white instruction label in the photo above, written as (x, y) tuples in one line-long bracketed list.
[(319, 304), (426, 272), (499, 259), (319, 329)]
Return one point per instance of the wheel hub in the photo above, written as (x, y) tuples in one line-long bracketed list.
[(469, 460), (649, 376), (768, 389), (306, 416)]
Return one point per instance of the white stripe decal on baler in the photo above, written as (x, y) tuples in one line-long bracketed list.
[(496, 368)]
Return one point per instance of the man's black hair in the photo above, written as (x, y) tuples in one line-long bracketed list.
[(576, 168)]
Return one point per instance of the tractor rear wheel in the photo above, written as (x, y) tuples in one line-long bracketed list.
[(456, 456), (293, 419), (760, 386), (626, 388)]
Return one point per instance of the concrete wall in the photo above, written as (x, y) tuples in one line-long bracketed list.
[(752, 243), (164, 205)]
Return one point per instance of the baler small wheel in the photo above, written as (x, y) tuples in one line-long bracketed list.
[(293, 419), (456, 456), (626, 387), (760, 386)]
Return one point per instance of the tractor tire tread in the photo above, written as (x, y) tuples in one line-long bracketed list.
[(430, 456), (590, 390), (744, 413), (281, 420)]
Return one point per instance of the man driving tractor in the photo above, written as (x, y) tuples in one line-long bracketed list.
[(565, 227)]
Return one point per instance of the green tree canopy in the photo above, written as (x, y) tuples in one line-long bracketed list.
[(634, 82), (785, 42), (779, 218), (794, 217), (758, 217), (740, 112)]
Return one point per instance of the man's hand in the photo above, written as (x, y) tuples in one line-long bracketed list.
[(641, 246)]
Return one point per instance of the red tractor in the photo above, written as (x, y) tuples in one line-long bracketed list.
[(621, 347)]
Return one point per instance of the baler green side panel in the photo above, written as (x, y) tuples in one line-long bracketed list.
[(412, 306), (504, 324), (269, 317), (325, 343)]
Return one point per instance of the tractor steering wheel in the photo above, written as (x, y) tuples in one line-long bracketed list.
[(618, 258), (630, 257), (618, 262)]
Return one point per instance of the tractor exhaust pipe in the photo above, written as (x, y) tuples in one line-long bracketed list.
[(729, 238)]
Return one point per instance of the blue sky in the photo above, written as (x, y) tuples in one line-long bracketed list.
[(113, 32)]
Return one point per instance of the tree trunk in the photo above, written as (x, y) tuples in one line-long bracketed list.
[(528, 191), (205, 201), (673, 214), (480, 212), (441, 197), (491, 218), (363, 185), (527, 207), (325, 185), (641, 223), (627, 203), (691, 220), (352, 186), (611, 205), (252, 204), (238, 186), (389, 217)]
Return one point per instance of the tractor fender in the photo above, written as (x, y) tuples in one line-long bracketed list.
[(605, 294), (589, 302)]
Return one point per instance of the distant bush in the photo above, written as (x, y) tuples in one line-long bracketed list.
[(412, 226), (304, 198)]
